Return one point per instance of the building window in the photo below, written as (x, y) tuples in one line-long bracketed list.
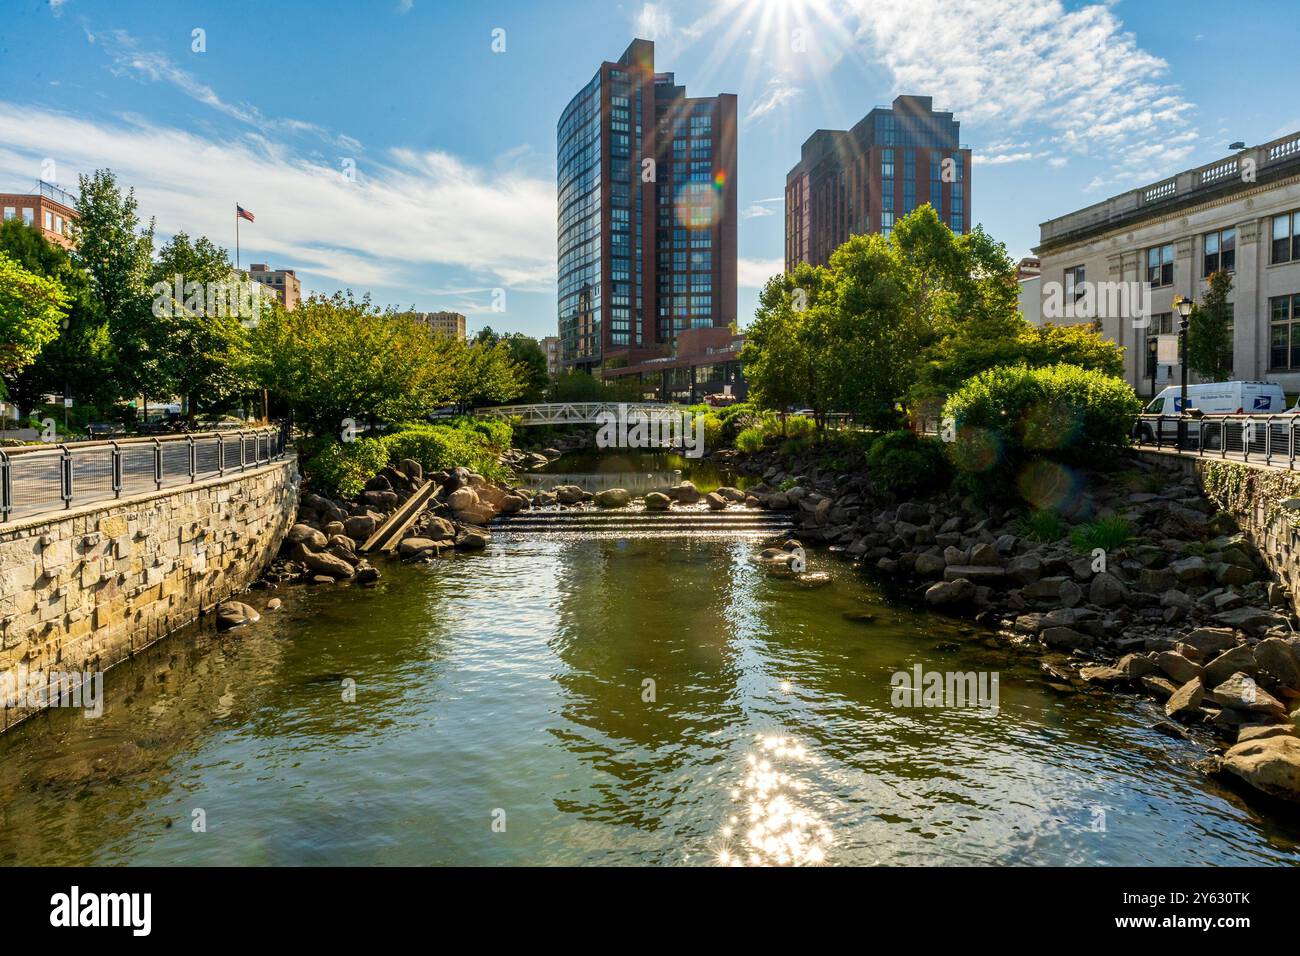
[(11, 212), (1074, 279), (1286, 237), (1160, 265), (1220, 251), (29, 216), (48, 218), (1284, 342)]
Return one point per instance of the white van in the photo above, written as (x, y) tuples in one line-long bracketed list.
[(1212, 398)]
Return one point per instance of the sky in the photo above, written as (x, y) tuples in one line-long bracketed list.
[(406, 148)]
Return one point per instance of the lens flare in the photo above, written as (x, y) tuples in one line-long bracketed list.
[(1047, 485)]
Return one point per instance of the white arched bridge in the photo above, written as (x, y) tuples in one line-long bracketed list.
[(584, 413)]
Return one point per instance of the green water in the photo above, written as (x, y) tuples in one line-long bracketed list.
[(510, 687), (638, 472)]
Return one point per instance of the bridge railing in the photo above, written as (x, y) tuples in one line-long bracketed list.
[(1271, 439), (558, 413), (40, 478)]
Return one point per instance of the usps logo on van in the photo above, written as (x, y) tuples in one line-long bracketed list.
[(1262, 403), (1178, 403)]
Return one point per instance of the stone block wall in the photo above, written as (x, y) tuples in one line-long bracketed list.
[(81, 590)]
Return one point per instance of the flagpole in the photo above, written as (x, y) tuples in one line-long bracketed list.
[(236, 237)]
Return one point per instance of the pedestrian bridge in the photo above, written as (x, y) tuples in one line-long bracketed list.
[(583, 413)]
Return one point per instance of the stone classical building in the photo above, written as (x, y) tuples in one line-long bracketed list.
[(1240, 214), (450, 324)]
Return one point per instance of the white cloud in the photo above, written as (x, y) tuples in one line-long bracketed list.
[(754, 273), (754, 211), (1022, 62), (653, 22), (778, 91), (1001, 159), (413, 210), (404, 6)]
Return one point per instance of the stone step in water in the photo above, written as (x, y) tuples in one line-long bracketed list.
[(639, 523)]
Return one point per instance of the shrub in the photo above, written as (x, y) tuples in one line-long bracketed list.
[(904, 463), (1044, 527), (1105, 533), (342, 469), (1007, 415), (796, 426), (436, 447), (750, 439)]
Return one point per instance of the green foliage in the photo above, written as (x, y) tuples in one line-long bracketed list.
[(1105, 533), (31, 310), (1008, 415), (1043, 526), (342, 468), (438, 447), (750, 440), (1209, 331), (578, 386), (527, 354), (905, 464), (787, 484)]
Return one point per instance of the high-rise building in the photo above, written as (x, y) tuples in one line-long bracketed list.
[(647, 213), (282, 282), (47, 208), (862, 180), (551, 349)]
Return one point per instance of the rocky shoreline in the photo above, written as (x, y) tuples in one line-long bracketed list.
[(1187, 613)]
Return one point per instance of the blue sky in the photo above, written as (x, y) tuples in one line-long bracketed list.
[(453, 145)]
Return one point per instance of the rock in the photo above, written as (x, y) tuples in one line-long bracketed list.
[(415, 547), (976, 574), (1248, 618), (1137, 665), (231, 614), (1234, 659), (985, 555), (1177, 666), (1025, 569), (1271, 765), (731, 494), (613, 498), (1186, 700), (1159, 685), (412, 469), (462, 498), (1261, 731), (1211, 640), (543, 499), (1066, 638), (323, 563), (360, 527), (472, 539), (657, 501), (512, 504), (438, 528), (273, 605), (1155, 580), (715, 501), (569, 494), (1274, 657), (686, 493), (367, 573), (1241, 692), (813, 579), (381, 500), (1070, 594), (928, 565), (960, 591), (306, 534), (1190, 570), (1106, 590), (1102, 674), (913, 513), (379, 483)]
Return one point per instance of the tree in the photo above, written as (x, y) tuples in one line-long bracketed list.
[(526, 352), (204, 354), (784, 354), (80, 352), (118, 256), (32, 308), (1209, 331)]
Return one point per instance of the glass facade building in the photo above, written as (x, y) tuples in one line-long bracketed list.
[(863, 180), (646, 214)]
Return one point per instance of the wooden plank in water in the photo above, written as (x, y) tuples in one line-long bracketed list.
[(389, 534)]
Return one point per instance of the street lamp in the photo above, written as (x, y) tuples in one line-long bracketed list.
[(1152, 365), (1183, 306)]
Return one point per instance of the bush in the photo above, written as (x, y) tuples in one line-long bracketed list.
[(1105, 533), (1007, 415), (904, 463), (436, 447), (750, 440), (342, 469), (1044, 527)]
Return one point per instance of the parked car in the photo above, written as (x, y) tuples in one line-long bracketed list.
[(101, 430), (1206, 401), (719, 400)]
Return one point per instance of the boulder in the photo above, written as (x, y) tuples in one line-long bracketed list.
[(1178, 667), (1240, 692), (1106, 590), (657, 501), (440, 529), (360, 527), (306, 534), (1235, 659), (472, 539), (411, 468), (960, 591), (232, 614), (686, 493), (613, 497), (381, 500), (1260, 731), (410, 548), (462, 498), (1161, 686), (510, 504), (1024, 569), (1271, 765), (1275, 658), (715, 501), (731, 494), (367, 573), (928, 566), (1066, 638), (273, 604), (324, 563), (1211, 640), (569, 494), (1190, 570), (1186, 700), (976, 574), (1248, 618)]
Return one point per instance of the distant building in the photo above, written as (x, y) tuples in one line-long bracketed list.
[(1028, 267), (451, 324), (706, 362), (48, 208), (860, 181), (646, 188), (1239, 214), (1030, 299), (282, 282), (551, 348)]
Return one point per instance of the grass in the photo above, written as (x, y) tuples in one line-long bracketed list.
[(1105, 533), (1044, 527)]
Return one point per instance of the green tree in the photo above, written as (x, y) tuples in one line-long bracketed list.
[(205, 351), (526, 352), (118, 256), (32, 308), (1209, 331), (80, 353)]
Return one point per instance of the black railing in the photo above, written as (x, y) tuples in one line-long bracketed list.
[(38, 478), (1270, 439)]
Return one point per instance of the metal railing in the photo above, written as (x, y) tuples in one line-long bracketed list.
[(35, 479), (1270, 439)]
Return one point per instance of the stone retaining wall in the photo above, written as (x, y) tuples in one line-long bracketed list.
[(81, 590)]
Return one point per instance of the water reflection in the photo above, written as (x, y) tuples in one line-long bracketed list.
[(776, 823), (639, 473)]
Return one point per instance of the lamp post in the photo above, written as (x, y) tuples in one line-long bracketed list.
[(1183, 306), (1152, 364)]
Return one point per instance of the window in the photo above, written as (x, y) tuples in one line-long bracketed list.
[(1074, 283), (1284, 341), (1160, 265), (1286, 238), (29, 215), (58, 224), (11, 212), (1220, 251), (48, 218)]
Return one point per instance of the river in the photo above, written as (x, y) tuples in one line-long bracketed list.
[(570, 700)]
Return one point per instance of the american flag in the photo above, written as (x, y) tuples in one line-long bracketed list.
[(243, 213)]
